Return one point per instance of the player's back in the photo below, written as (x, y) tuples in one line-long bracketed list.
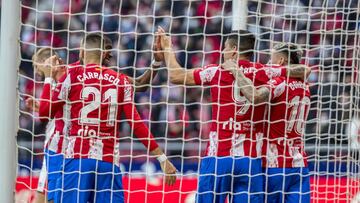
[(94, 95), (236, 122), (62, 122), (285, 129)]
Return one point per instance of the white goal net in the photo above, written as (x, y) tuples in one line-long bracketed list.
[(179, 116)]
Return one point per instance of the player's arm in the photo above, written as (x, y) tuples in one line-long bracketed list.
[(142, 132), (141, 82), (247, 87), (299, 71), (177, 74), (49, 101)]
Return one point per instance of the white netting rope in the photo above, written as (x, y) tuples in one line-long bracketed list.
[(179, 117)]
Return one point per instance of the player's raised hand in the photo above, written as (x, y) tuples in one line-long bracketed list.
[(165, 41), (169, 169), (230, 65), (48, 65), (32, 104), (158, 53), (59, 70), (53, 67)]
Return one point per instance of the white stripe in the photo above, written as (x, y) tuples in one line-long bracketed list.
[(50, 129), (65, 88), (259, 144), (213, 144), (237, 148), (69, 152), (42, 177), (54, 143), (272, 155), (96, 149)]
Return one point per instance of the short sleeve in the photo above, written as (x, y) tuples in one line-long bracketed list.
[(274, 71), (277, 87), (204, 76)]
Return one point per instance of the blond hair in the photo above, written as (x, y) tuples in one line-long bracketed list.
[(42, 54)]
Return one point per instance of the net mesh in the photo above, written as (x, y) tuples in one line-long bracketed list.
[(179, 116)]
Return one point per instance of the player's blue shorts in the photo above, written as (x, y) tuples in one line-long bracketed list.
[(90, 180), (238, 178), (54, 163), (291, 185)]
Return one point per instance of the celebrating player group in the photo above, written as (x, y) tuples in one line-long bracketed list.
[(255, 150)]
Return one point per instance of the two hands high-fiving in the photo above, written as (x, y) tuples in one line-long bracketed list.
[(162, 43)]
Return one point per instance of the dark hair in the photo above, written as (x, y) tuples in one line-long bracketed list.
[(108, 42), (93, 40), (292, 51), (244, 41), (93, 43)]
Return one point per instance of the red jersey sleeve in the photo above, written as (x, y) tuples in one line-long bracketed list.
[(204, 76), (45, 101), (50, 101), (140, 130)]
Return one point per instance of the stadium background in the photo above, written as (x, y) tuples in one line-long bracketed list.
[(328, 31)]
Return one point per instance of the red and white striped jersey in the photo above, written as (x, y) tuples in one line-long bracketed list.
[(237, 126), (97, 96), (285, 130), (55, 136)]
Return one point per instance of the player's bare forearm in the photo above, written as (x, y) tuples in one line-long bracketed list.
[(175, 71), (166, 166), (157, 152), (248, 89), (142, 82), (298, 71), (177, 74)]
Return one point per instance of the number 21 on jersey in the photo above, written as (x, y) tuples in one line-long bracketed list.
[(110, 95)]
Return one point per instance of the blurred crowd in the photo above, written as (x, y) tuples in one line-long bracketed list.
[(326, 30)]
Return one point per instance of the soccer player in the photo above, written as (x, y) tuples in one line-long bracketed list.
[(53, 146), (97, 97), (232, 166), (285, 160), (38, 60)]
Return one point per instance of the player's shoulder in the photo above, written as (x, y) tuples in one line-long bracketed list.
[(213, 65), (207, 73), (75, 68), (75, 64), (123, 78), (249, 67)]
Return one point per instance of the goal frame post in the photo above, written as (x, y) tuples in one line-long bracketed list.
[(239, 14), (9, 57)]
